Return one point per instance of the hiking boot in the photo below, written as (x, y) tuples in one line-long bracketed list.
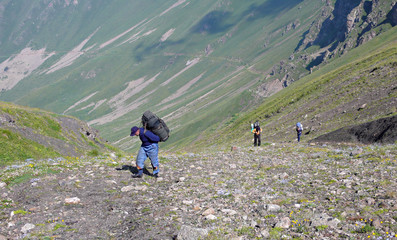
[(137, 175), (156, 175)]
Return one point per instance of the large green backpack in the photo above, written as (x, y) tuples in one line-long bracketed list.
[(156, 125)]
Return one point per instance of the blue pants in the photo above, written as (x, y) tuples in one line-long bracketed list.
[(150, 152), (299, 133)]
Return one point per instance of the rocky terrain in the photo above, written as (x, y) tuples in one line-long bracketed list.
[(276, 191)]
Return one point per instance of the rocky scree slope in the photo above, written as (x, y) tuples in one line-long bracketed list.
[(276, 191)]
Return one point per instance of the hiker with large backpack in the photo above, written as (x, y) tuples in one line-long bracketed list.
[(149, 148), (299, 129), (154, 130), (257, 130)]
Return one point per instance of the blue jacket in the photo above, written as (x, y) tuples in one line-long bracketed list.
[(147, 137)]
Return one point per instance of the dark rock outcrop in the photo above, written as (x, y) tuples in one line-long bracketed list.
[(379, 131)]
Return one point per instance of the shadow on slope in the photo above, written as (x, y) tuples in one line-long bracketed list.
[(213, 22), (270, 8), (383, 130)]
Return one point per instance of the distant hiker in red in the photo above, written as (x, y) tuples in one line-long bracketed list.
[(299, 129), (257, 133), (149, 148)]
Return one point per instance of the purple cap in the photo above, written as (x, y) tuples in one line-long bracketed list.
[(133, 130)]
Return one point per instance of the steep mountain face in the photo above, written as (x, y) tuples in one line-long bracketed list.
[(195, 64), (341, 26)]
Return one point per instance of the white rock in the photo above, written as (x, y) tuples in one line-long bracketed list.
[(127, 188), (187, 202), (73, 200), (229, 212), (111, 182), (284, 223), (209, 211), (160, 179), (187, 233), (324, 219), (272, 207), (141, 188), (3, 184), (210, 217), (27, 227), (265, 233)]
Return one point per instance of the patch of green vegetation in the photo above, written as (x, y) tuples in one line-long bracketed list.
[(145, 210), (14, 147), (246, 231), (19, 179), (321, 227), (275, 233), (277, 167), (58, 226), (93, 153), (218, 233), (330, 182), (20, 211), (381, 211), (366, 229)]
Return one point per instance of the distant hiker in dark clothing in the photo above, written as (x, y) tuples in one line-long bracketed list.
[(149, 148), (299, 129), (257, 134)]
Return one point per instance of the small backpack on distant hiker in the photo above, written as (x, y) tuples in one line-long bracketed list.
[(256, 124), (156, 125), (299, 127)]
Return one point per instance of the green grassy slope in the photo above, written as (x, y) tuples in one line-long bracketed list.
[(359, 87), (33, 133)]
